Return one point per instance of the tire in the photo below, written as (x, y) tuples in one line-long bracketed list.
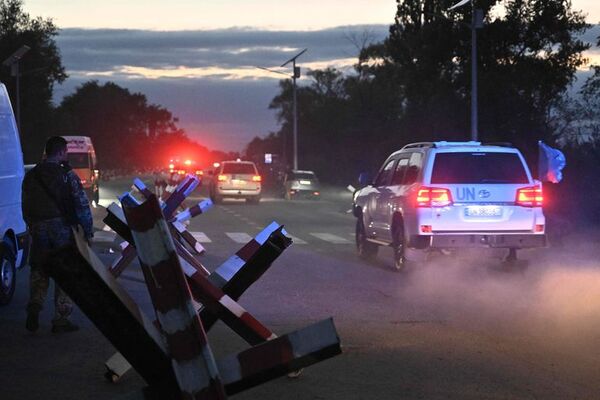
[(8, 275), (401, 261), (365, 249)]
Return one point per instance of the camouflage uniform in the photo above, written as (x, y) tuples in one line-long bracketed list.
[(51, 229)]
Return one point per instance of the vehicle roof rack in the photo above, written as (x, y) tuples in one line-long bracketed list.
[(445, 143), (501, 144), (419, 145)]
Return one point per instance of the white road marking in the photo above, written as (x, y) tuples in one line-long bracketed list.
[(296, 240), (201, 237), (328, 237), (239, 237), (102, 236)]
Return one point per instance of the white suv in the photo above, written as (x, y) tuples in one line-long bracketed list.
[(450, 195), (236, 179)]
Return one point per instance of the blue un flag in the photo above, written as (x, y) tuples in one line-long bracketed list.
[(550, 164)]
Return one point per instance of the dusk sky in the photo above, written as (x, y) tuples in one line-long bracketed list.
[(198, 58)]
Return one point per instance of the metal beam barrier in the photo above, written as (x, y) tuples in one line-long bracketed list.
[(233, 278), (193, 362), (79, 272)]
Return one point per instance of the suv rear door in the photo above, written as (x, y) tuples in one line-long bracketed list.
[(239, 176), (483, 185)]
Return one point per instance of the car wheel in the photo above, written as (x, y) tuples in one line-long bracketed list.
[(216, 199), (364, 248), (400, 249), (8, 276)]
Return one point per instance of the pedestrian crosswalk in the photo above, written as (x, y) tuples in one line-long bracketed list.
[(239, 237), (106, 235), (328, 237)]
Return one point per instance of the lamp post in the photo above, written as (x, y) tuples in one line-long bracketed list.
[(476, 23), (13, 63), (295, 75)]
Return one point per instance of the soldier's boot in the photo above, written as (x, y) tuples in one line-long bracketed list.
[(32, 323), (63, 326)]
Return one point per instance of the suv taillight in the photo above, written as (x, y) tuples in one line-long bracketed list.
[(256, 178), (433, 197), (222, 178), (530, 196)]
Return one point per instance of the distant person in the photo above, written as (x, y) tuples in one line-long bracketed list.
[(53, 203), (160, 183)]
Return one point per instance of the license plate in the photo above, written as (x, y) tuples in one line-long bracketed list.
[(483, 211), (238, 181)]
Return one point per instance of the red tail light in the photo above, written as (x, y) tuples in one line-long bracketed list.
[(222, 178), (256, 178), (530, 196), (433, 197)]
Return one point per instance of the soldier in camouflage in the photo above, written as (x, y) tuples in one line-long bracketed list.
[(53, 202)]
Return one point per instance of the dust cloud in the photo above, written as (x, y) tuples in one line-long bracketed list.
[(552, 295)]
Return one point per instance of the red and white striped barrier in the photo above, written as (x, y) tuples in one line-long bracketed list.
[(193, 361), (272, 242), (195, 210), (277, 357)]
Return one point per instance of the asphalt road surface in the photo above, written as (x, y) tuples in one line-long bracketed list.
[(461, 326)]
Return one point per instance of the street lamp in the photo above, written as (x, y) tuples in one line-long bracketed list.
[(476, 23), (294, 76), (13, 63)]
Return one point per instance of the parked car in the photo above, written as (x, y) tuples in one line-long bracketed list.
[(450, 195), (14, 244), (297, 183), (236, 179)]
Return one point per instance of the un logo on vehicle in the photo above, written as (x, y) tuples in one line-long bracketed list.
[(484, 194)]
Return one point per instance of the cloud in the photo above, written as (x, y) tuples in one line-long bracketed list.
[(209, 78), (103, 51)]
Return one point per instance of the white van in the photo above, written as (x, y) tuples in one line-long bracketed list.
[(82, 158), (14, 244)]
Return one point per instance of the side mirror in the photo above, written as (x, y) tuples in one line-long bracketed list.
[(364, 179)]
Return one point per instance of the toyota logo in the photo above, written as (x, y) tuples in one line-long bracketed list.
[(484, 194)]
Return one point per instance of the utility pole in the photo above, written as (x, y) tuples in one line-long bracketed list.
[(295, 75), (476, 23), (13, 63)]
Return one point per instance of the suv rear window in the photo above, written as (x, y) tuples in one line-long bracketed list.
[(479, 167), (239, 168), (303, 175)]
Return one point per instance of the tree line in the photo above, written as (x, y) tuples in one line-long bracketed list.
[(415, 85), (125, 128)]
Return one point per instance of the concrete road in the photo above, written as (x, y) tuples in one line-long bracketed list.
[(458, 327)]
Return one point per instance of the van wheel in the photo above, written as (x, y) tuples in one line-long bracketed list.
[(400, 249), (365, 249), (8, 275)]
